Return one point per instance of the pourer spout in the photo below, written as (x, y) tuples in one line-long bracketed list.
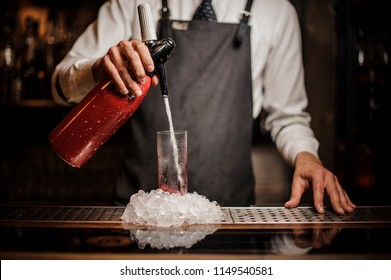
[(160, 50)]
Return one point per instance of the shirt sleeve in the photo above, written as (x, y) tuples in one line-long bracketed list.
[(73, 78), (285, 98)]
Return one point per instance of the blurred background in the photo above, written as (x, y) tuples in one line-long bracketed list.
[(346, 48)]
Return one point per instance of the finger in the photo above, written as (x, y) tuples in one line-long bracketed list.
[(112, 72), (145, 56), (139, 58), (345, 200), (350, 203), (155, 80), (346, 204), (133, 62), (318, 192), (121, 67), (296, 194), (335, 196)]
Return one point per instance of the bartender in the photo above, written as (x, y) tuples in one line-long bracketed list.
[(230, 61)]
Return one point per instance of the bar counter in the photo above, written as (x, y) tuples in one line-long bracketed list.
[(88, 232)]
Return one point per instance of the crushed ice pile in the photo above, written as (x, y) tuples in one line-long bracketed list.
[(169, 238), (162, 209)]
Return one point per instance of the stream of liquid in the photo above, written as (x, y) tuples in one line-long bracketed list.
[(174, 145)]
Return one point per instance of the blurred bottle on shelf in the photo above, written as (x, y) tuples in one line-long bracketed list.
[(373, 105), (367, 94), (28, 59), (373, 78), (383, 75), (31, 62), (10, 82), (56, 43), (364, 166), (365, 113)]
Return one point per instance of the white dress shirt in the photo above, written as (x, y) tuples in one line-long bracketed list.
[(277, 69)]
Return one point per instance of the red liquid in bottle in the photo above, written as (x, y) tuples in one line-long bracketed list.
[(93, 121)]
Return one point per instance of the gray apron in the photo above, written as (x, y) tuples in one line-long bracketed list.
[(210, 95)]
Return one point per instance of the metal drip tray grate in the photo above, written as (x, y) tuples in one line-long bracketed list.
[(304, 215), (245, 215), (62, 213)]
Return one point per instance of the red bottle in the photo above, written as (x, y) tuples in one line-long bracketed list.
[(99, 115), (93, 121)]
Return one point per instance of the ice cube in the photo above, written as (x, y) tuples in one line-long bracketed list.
[(162, 209)]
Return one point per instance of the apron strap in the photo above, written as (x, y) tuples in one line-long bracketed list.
[(165, 30), (241, 32)]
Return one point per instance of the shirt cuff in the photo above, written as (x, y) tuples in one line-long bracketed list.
[(294, 139), (84, 81)]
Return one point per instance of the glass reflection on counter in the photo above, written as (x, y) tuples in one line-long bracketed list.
[(289, 243), (297, 241), (168, 238)]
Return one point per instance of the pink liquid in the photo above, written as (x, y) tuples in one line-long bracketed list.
[(93, 121), (174, 147)]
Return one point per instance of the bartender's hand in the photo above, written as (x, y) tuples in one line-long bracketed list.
[(309, 171), (126, 64)]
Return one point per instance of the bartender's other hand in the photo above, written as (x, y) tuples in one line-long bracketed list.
[(309, 171), (126, 64)]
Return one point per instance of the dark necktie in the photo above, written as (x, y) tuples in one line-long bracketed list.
[(205, 11)]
